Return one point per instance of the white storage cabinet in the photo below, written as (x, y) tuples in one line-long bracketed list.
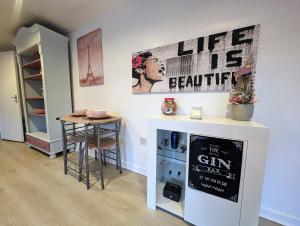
[(43, 62)]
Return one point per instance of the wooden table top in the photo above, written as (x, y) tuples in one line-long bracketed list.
[(86, 120)]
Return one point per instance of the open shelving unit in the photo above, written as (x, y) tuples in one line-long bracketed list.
[(45, 83), (170, 167), (33, 90)]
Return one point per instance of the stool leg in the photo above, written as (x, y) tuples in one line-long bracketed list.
[(117, 159), (101, 170), (104, 158), (81, 155), (96, 156)]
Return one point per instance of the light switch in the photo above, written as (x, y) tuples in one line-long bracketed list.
[(143, 140)]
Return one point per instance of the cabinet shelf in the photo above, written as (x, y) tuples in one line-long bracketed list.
[(169, 153), (36, 114), (34, 98), (171, 158), (37, 77), (35, 64), (168, 204)]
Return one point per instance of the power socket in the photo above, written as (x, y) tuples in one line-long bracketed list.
[(143, 140)]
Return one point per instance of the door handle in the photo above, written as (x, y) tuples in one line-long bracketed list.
[(15, 97)]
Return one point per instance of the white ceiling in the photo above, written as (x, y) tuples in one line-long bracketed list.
[(62, 15)]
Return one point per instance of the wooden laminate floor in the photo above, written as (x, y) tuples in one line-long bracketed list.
[(34, 191)]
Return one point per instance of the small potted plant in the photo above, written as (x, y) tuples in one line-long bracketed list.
[(242, 95)]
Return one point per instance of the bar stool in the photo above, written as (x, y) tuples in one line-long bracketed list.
[(108, 145), (72, 135)]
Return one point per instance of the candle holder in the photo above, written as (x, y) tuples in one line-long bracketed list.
[(196, 113)]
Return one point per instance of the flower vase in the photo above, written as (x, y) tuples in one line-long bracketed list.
[(241, 112)]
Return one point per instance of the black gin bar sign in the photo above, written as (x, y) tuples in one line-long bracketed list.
[(215, 166)]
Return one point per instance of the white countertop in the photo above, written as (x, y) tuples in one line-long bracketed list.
[(210, 120)]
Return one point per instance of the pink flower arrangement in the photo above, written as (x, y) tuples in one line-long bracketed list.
[(243, 92), (245, 70)]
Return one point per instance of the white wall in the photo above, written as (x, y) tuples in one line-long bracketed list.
[(0, 111), (144, 24)]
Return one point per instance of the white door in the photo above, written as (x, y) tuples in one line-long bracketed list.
[(11, 127)]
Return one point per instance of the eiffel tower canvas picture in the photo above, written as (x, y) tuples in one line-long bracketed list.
[(90, 59)]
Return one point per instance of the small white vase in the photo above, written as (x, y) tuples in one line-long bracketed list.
[(241, 112)]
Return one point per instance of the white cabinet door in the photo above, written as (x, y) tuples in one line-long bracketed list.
[(204, 209), (11, 127)]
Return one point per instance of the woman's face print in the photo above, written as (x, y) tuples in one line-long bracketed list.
[(153, 69)]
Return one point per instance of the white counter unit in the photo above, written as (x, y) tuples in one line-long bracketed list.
[(219, 163)]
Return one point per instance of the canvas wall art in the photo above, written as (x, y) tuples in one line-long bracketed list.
[(203, 64), (90, 59)]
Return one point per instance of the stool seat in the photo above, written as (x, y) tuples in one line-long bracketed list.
[(73, 139), (106, 143), (78, 136)]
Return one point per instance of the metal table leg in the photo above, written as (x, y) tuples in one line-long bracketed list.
[(81, 157), (119, 159), (87, 168), (100, 158)]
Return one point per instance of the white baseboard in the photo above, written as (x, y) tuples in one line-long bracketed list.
[(279, 217), (131, 167), (135, 168)]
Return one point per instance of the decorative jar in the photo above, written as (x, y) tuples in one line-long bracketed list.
[(169, 107)]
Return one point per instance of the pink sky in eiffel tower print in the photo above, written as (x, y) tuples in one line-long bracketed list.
[(90, 61)]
